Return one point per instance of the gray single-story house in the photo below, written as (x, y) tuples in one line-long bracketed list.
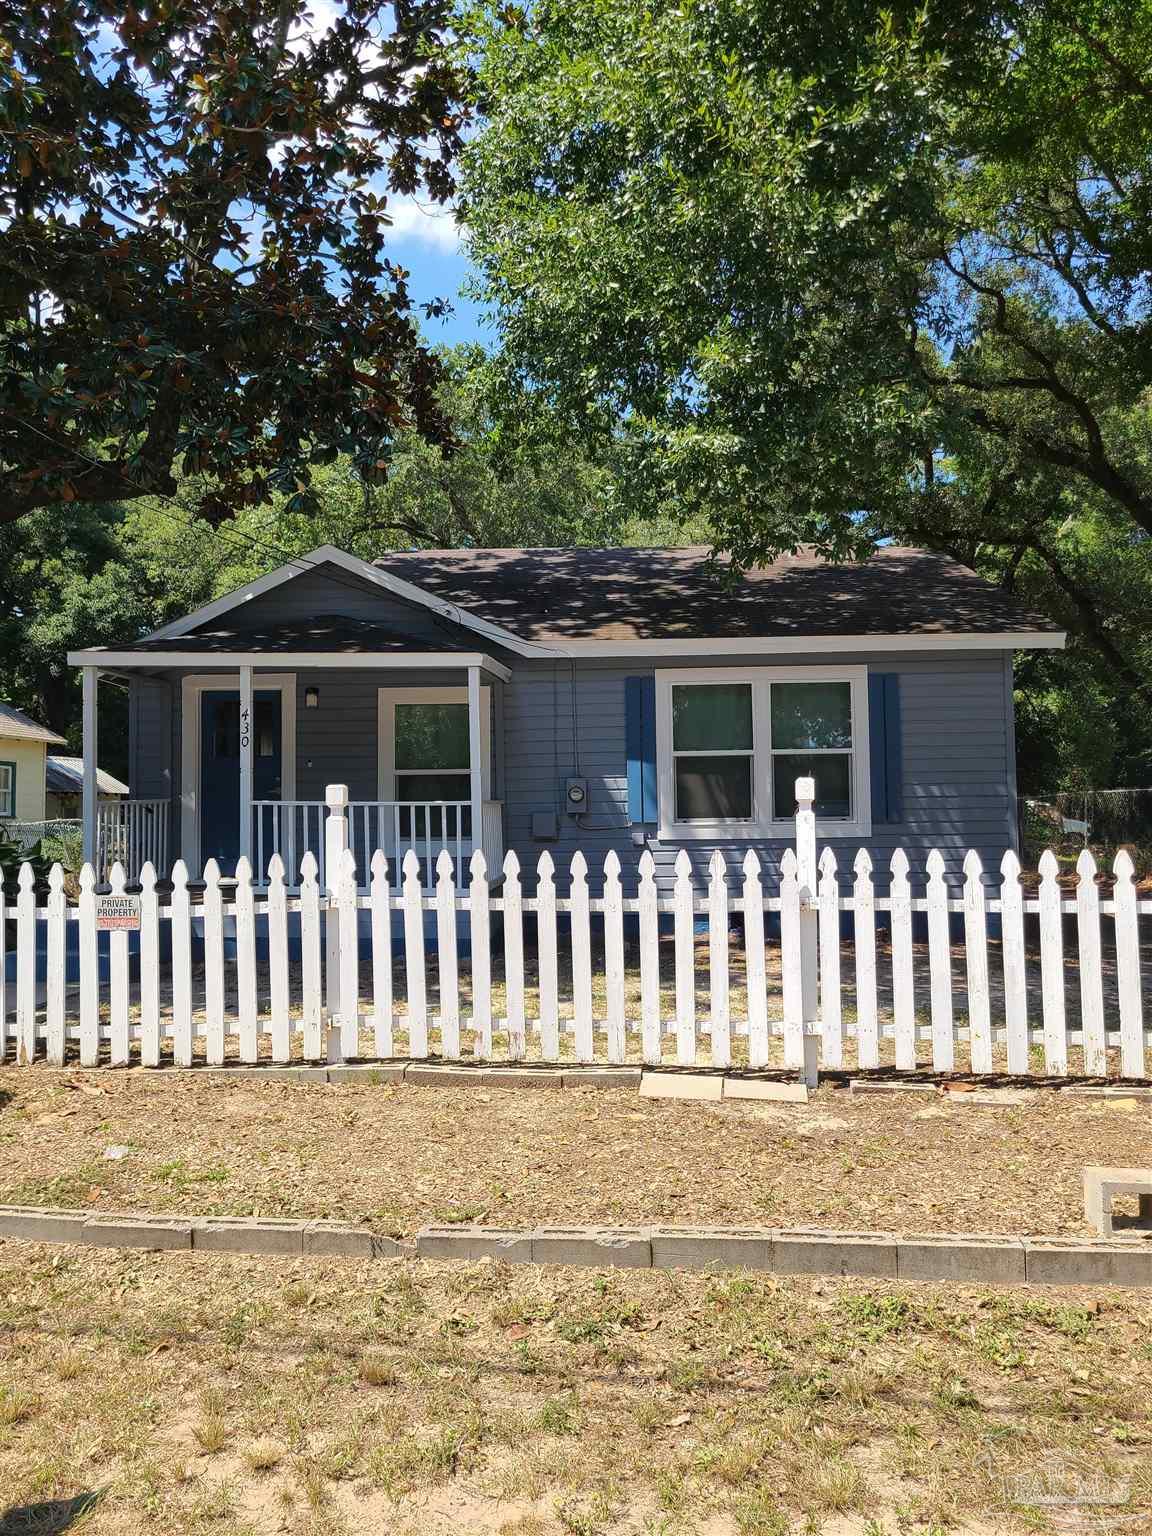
[(568, 699)]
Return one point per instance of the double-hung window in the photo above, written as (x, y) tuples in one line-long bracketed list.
[(7, 791), (731, 745)]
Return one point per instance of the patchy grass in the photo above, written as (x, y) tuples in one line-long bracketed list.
[(399, 1156), (644, 1403)]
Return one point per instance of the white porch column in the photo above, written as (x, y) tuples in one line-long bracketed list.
[(91, 679), (475, 767), (247, 729)]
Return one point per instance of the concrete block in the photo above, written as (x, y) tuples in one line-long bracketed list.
[(1052, 1261), (765, 1091), (339, 1239), (617, 1247), (42, 1224), (1101, 1187), (971, 1259), (871, 1085), (459, 1242), (1105, 1091), (602, 1077), (428, 1074), (247, 1234), (711, 1248), (121, 1229), (371, 1072), (523, 1077), (815, 1251), (681, 1085)]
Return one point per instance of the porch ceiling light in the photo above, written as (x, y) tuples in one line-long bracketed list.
[(311, 698)]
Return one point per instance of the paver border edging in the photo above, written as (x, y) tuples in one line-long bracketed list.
[(959, 1258)]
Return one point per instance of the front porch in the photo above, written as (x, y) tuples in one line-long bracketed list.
[(231, 755)]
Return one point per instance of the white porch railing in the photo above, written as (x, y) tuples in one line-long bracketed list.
[(292, 828), (131, 833)]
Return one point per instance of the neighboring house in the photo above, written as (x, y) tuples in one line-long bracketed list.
[(23, 750), (64, 786), (580, 699)]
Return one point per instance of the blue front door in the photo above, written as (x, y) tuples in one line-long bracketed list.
[(220, 768)]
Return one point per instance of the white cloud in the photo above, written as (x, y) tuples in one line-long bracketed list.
[(424, 223)]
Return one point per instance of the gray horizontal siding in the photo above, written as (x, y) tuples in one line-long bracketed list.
[(957, 753), (958, 791)]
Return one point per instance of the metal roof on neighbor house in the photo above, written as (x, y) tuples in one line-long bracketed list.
[(65, 776), (16, 725), (552, 595)]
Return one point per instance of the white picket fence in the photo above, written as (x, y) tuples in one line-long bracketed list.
[(488, 970)]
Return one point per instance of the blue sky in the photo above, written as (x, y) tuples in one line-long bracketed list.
[(425, 239)]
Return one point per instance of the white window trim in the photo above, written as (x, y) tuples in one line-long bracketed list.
[(192, 686), (388, 698), (10, 792), (762, 825)]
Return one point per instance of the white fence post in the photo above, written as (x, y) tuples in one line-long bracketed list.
[(806, 874), (25, 966), (55, 967), (335, 846)]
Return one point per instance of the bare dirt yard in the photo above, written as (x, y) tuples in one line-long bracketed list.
[(399, 1156), (200, 1395)]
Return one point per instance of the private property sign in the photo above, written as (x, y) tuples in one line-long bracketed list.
[(116, 913)]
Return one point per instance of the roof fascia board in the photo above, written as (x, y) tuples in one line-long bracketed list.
[(335, 660), (329, 554), (785, 645)]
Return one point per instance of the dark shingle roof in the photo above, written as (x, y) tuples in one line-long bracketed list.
[(325, 632), (552, 595)]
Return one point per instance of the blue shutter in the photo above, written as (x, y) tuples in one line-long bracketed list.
[(640, 740), (885, 747)]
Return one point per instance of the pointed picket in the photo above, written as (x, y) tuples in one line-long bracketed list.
[(976, 963), (1091, 975), (614, 958), (581, 959), (149, 968), (379, 896), (1052, 966), (940, 966), (546, 957), (118, 976), (718, 992), (831, 1010), (25, 965), (514, 957), (414, 977), (280, 1024), (248, 1027), (903, 982), (213, 964), (449, 979), (649, 961), (54, 958), (181, 908), (1015, 963), (89, 969), (864, 929), (481, 959), (1128, 967), (311, 985), (684, 921), (790, 961), (754, 963)]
